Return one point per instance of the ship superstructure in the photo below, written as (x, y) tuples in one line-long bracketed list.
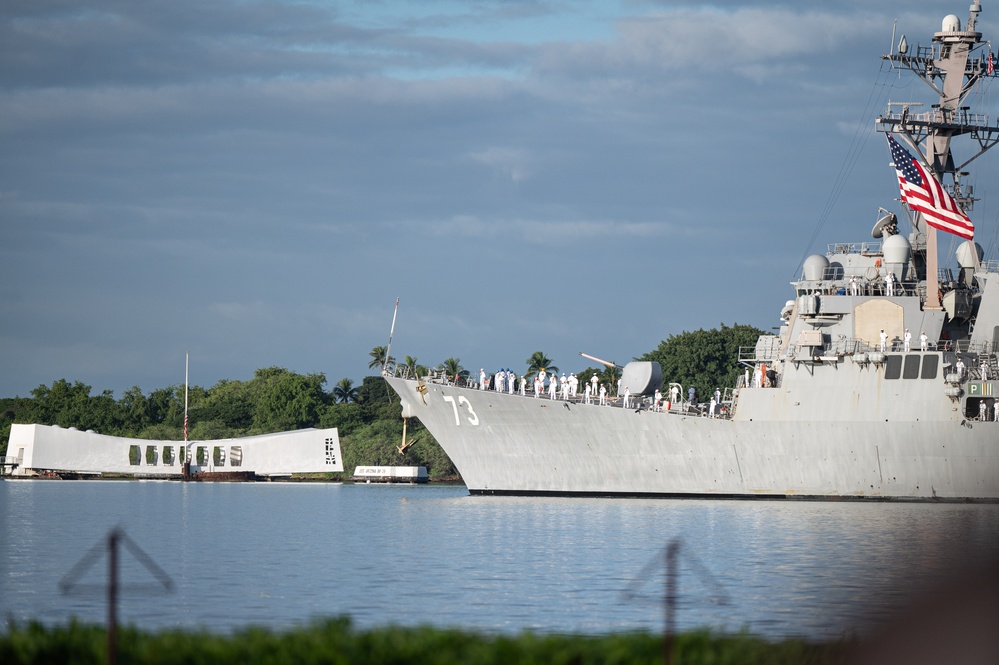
[(881, 383)]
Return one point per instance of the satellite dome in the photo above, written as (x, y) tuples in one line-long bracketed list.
[(896, 249), (951, 23), (815, 267), (965, 258)]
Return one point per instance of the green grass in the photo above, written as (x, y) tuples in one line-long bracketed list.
[(335, 642)]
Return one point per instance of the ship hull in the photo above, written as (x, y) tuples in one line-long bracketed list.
[(508, 444)]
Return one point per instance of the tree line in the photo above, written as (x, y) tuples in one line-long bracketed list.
[(367, 416), (274, 400)]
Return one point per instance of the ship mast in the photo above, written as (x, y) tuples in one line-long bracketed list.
[(951, 71)]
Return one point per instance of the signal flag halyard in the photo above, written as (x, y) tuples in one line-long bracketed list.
[(924, 194)]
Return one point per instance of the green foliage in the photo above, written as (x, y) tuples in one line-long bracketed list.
[(335, 642), (452, 368), (413, 369), (607, 376), (345, 417), (287, 401), (379, 356), (537, 362), (344, 391), (706, 359)]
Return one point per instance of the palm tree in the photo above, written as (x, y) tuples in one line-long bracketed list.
[(344, 391), (378, 358), (539, 361), (413, 368), (452, 368), (610, 375)]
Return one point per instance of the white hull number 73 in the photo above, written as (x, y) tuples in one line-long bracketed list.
[(472, 418)]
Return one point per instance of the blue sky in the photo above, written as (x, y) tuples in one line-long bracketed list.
[(256, 182)]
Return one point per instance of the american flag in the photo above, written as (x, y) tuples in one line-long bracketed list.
[(926, 195), (991, 67)]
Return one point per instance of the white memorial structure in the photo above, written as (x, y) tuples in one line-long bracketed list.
[(37, 449)]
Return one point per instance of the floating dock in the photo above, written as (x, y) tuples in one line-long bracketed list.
[(390, 474)]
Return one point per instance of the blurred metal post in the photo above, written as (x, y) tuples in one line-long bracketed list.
[(113, 597), (672, 555)]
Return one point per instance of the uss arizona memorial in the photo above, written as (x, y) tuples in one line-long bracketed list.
[(36, 449)]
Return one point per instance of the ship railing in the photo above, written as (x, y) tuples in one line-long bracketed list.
[(750, 354), (968, 346), (863, 248), (941, 117)]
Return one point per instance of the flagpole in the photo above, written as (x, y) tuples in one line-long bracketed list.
[(187, 362), (388, 349)]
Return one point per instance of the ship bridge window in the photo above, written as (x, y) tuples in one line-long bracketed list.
[(893, 367), (930, 364), (911, 368)]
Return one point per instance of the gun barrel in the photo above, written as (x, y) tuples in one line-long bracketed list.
[(602, 362)]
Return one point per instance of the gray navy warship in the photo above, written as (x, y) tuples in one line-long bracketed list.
[(882, 382)]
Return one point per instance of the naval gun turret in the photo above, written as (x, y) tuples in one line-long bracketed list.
[(640, 377)]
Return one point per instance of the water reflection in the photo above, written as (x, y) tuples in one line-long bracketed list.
[(280, 554)]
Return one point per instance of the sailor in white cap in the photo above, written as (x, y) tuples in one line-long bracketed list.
[(907, 339)]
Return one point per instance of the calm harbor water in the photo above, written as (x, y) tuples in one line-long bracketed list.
[(281, 554)]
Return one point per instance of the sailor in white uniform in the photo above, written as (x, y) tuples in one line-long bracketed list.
[(890, 283), (923, 341), (907, 339), (627, 397), (853, 285), (603, 395), (884, 339), (482, 379), (594, 381)]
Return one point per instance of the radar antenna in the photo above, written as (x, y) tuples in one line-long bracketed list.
[(887, 224)]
